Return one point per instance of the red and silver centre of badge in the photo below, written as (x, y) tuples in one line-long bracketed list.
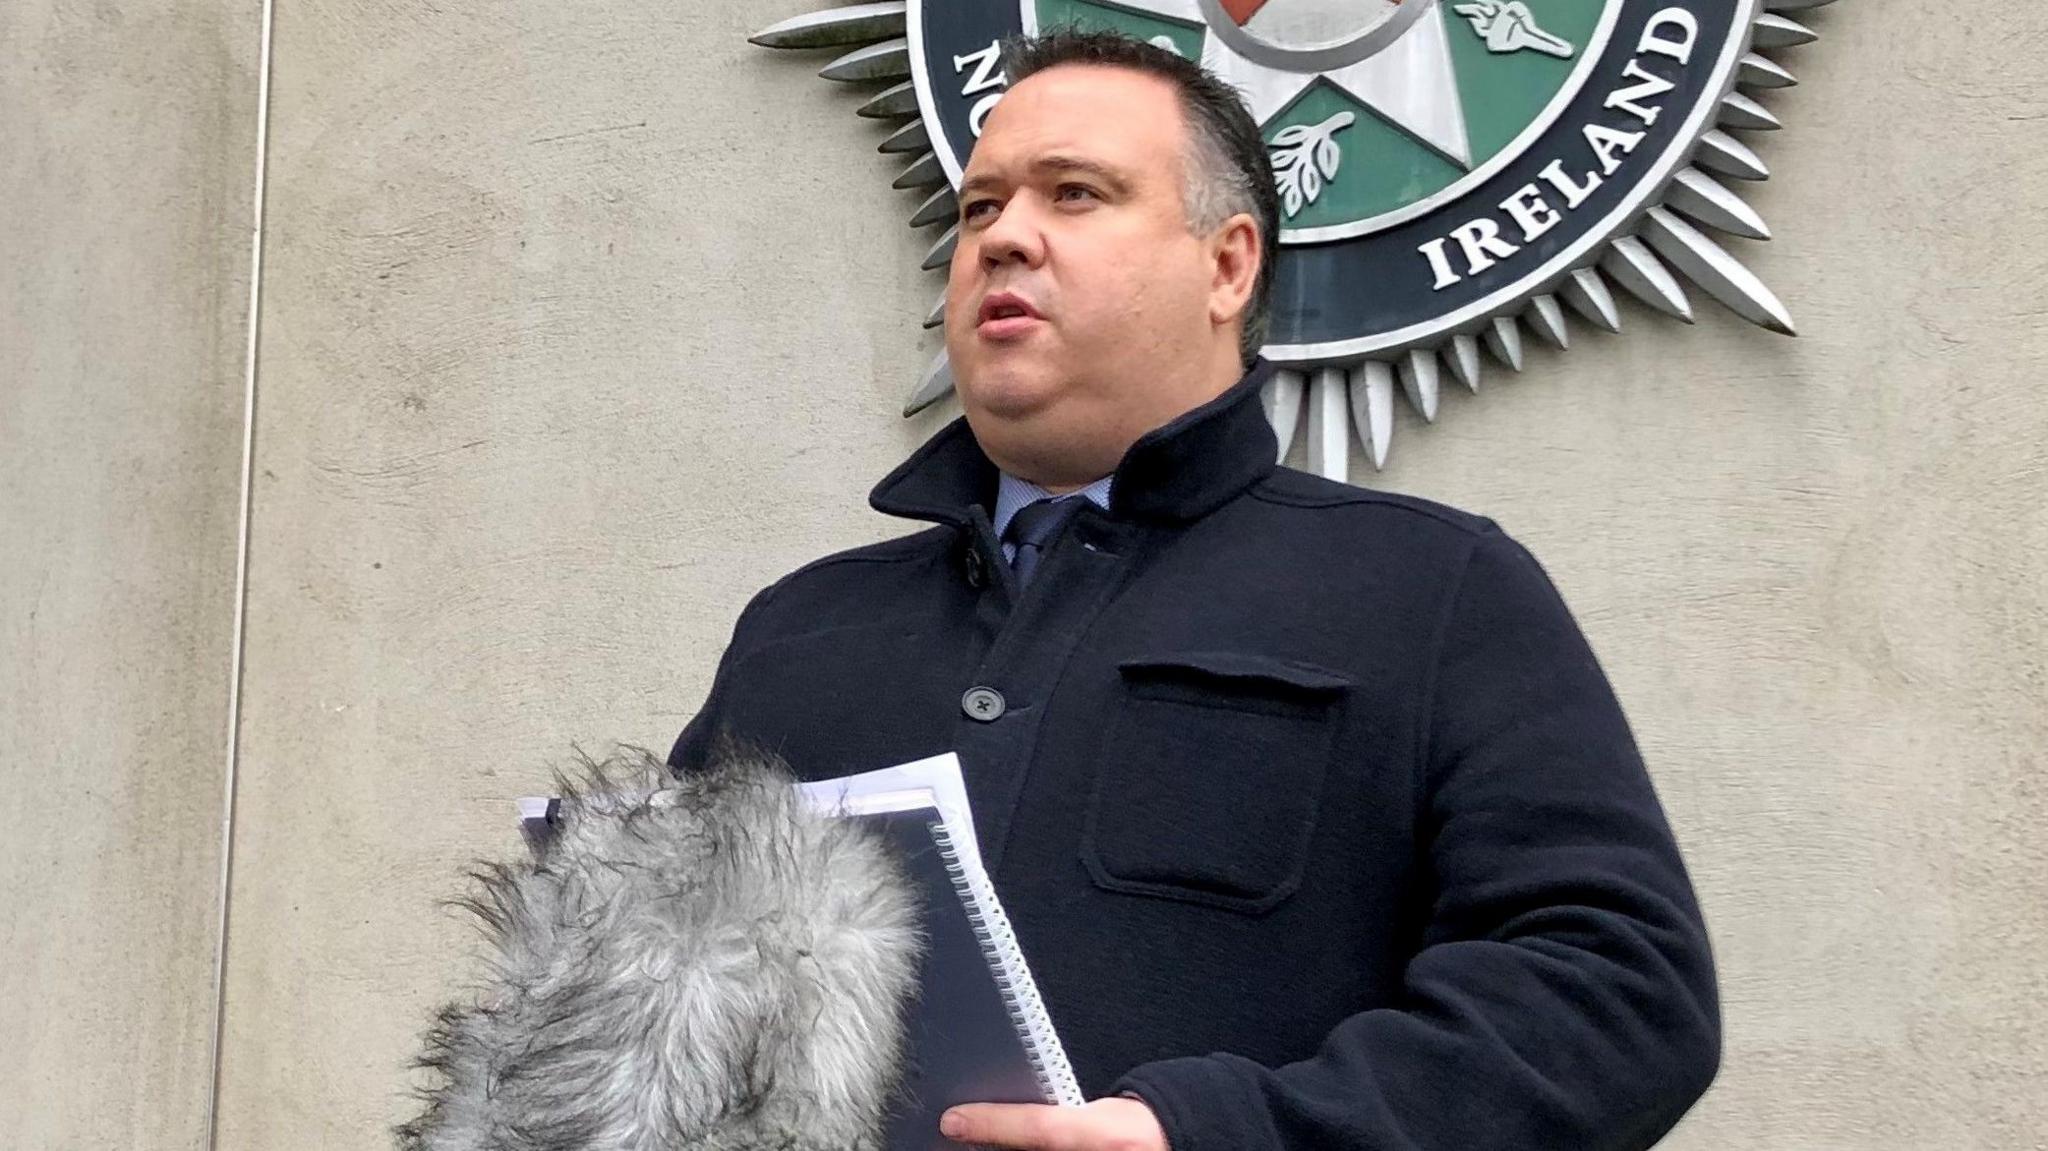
[(1311, 34)]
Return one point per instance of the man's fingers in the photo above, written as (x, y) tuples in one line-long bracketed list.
[(1026, 1126)]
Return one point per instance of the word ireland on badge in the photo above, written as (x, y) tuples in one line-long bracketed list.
[(1452, 173)]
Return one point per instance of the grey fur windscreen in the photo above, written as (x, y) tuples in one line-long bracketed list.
[(690, 963)]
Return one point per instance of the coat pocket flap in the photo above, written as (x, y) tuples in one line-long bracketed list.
[(1241, 666)]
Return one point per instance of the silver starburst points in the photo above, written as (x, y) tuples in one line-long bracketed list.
[(1653, 259)]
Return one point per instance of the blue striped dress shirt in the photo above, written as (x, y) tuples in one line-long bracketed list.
[(1012, 494)]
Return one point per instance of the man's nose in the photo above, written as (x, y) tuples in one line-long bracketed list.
[(1013, 237)]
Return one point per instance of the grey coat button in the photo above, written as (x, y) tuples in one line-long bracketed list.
[(983, 703)]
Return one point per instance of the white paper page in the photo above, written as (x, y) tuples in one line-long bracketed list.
[(938, 774), (909, 799)]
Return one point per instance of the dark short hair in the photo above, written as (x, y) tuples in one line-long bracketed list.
[(1227, 166)]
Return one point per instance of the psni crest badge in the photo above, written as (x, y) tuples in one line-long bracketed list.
[(1451, 172)]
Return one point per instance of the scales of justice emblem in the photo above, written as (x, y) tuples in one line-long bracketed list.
[(1454, 175)]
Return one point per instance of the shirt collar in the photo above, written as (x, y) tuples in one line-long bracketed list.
[(1176, 472), (1012, 494)]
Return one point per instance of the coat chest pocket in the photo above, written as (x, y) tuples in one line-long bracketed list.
[(1208, 776)]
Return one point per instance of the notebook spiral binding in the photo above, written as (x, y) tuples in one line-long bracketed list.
[(1013, 979)]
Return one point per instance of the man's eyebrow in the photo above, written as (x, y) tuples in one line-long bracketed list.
[(1101, 171), (1053, 163)]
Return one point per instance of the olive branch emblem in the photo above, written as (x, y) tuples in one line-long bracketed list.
[(1509, 26), (1305, 158)]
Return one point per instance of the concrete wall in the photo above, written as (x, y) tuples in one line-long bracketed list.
[(1817, 571), (127, 136), (582, 322), (570, 344)]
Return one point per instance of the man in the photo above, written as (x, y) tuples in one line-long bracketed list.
[(1311, 807)]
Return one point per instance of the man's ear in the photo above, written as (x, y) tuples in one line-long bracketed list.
[(1235, 255)]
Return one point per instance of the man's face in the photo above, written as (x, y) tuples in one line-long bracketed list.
[(1081, 312)]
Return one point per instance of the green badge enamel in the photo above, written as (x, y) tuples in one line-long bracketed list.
[(1343, 159)]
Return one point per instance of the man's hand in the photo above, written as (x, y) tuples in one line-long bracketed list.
[(1122, 1124)]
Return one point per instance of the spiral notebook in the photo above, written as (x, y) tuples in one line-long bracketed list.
[(978, 1031)]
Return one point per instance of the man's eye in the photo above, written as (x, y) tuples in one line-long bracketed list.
[(974, 209), (1073, 191)]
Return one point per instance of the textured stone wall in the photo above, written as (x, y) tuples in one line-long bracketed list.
[(127, 156)]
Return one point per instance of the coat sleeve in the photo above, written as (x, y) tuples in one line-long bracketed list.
[(701, 735), (1563, 994)]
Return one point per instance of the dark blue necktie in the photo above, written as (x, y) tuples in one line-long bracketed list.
[(1032, 528)]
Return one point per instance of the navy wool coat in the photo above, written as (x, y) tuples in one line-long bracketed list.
[(1315, 815)]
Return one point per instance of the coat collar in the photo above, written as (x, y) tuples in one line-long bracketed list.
[(1179, 471)]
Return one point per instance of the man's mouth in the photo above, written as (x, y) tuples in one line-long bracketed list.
[(1006, 308), (1006, 314)]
